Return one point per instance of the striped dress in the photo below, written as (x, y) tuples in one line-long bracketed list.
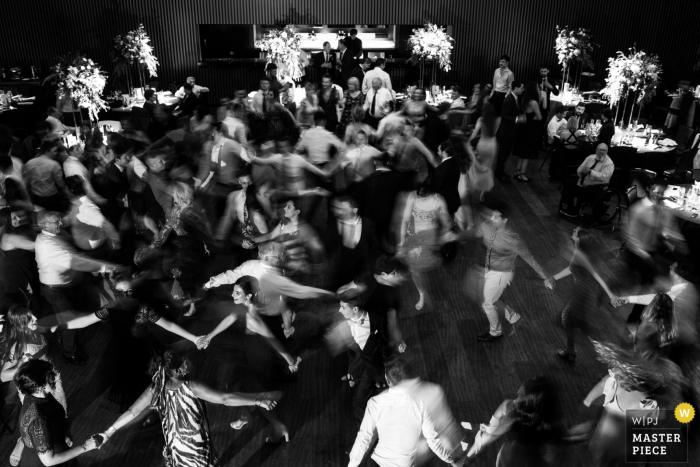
[(186, 429)]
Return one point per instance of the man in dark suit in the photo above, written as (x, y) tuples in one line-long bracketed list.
[(325, 61), (189, 103), (511, 117), (345, 63), (547, 90), (354, 44), (580, 114), (369, 342), (352, 238), (446, 177), (383, 188), (113, 185), (607, 131), (360, 70)]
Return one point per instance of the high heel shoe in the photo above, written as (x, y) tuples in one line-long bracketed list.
[(421, 301), (522, 177), (282, 435), (241, 422), (566, 355)]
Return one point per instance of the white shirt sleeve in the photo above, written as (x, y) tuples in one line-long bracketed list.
[(364, 436), (431, 436)]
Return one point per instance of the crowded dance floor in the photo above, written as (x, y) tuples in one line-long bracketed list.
[(348, 250)]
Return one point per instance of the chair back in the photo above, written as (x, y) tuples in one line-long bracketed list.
[(685, 162), (696, 175), (623, 157), (459, 120), (683, 137), (640, 179), (658, 162)]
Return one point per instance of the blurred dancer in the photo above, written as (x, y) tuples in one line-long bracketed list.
[(258, 361), (503, 246), (419, 247), (534, 419), (398, 419), (183, 415), (585, 295)]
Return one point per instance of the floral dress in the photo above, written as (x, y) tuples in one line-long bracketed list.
[(346, 118), (37, 349), (43, 428)]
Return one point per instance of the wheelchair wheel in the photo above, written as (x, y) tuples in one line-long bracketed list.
[(604, 207)]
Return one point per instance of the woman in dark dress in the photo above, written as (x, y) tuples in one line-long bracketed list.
[(528, 138), (42, 422), (17, 264), (353, 98), (328, 98), (178, 401), (586, 291)]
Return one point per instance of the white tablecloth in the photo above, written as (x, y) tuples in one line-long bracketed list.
[(639, 143)]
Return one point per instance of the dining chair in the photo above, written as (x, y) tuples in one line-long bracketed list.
[(683, 137), (659, 162), (683, 167), (624, 157)]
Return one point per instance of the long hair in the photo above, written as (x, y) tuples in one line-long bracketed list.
[(631, 373), (488, 120), (660, 310), (17, 333), (530, 94), (529, 406), (252, 203), (161, 369), (182, 193)]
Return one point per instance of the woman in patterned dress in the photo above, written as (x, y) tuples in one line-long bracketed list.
[(42, 422), (23, 342), (178, 400), (353, 98), (425, 224)]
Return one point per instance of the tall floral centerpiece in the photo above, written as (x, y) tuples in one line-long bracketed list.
[(635, 73), (573, 45), (82, 80), (134, 49), (431, 43), (283, 47)]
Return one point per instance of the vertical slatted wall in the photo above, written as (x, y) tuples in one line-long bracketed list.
[(35, 31)]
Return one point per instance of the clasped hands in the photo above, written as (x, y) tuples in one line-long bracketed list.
[(550, 283), (618, 301)]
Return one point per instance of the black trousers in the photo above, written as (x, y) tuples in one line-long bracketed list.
[(62, 300), (496, 101), (505, 148), (573, 196)]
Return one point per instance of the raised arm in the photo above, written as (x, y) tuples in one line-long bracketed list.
[(223, 325), (178, 330), (259, 326), (232, 399), (78, 323)]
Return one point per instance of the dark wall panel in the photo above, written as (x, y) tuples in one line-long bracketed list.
[(35, 31)]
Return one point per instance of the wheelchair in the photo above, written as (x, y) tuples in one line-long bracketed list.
[(606, 206)]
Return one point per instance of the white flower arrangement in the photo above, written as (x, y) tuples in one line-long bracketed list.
[(283, 46), (637, 72), (574, 45), (82, 80), (135, 46), (432, 43)]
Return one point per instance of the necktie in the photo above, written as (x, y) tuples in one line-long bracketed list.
[(580, 181), (374, 102), (326, 57)]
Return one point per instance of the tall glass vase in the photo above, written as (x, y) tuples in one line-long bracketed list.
[(422, 73)]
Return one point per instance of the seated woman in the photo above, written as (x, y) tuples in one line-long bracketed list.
[(568, 136)]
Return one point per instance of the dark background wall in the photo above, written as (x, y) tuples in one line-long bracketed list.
[(35, 31)]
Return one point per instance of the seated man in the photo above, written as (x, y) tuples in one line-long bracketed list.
[(596, 170), (580, 114), (557, 124), (196, 89)]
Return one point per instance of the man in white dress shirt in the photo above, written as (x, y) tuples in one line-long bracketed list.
[(59, 265), (398, 419), (378, 104), (54, 118), (196, 89), (376, 72), (557, 124)]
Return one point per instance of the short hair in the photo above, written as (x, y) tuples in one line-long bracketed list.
[(264, 78), (187, 86), (270, 248), (398, 370), (380, 62), (354, 80), (319, 117), (608, 114), (149, 93), (220, 127), (51, 110), (47, 144), (353, 31), (326, 43), (544, 65), (348, 199), (310, 87), (367, 61), (560, 109), (75, 185), (386, 265), (341, 41), (516, 84), (447, 147), (352, 297), (504, 57), (34, 375), (271, 66), (327, 76), (581, 104), (456, 89), (153, 154), (44, 216), (658, 181)]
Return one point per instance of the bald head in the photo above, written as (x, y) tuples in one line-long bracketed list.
[(376, 84)]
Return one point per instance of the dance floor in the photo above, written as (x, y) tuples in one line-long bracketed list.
[(441, 338)]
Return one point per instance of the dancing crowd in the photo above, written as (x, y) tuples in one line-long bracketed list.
[(345, 200)]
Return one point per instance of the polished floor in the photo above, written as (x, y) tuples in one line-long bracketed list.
[(441, 339)]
